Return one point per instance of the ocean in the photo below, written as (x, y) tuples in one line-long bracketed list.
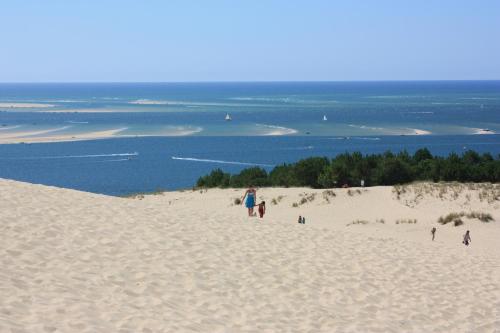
[(169, 134)]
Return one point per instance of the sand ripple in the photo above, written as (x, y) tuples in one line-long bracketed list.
[(77, 262)]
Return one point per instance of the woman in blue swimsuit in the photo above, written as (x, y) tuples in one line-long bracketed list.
[(251, 195)]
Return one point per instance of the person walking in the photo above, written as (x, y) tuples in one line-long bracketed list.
[(433, 232), (262, 209), (251, 196), (467, 240)]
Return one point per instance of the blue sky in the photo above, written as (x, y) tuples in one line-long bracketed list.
[(258, 40)]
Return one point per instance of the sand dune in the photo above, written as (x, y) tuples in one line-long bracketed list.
[(193, 262)]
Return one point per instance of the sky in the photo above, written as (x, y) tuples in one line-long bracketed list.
[(248, 40)]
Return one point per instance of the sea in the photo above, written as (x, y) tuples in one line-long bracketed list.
[(167, 135)]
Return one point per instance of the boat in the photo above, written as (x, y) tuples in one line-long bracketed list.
[(324, 118), (228, 117)]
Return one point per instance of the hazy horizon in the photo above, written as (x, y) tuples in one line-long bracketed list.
[(241, 81)]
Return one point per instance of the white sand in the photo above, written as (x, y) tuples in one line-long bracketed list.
[(481, 131), (193, 262), (416, 131), (38, 137)]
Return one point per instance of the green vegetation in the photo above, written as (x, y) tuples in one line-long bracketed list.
[(406, 221), (350, 168), (456, 217), (141, 195)]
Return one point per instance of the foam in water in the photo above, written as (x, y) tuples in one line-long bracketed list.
[(148, 102), (367, 127), (117, 160), (72, 156), (365, 138), (192, 159)]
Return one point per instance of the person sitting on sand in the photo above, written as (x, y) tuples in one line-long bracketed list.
[(433, 232), (262, 209), (467, 238), (251, 195), (300, 219)]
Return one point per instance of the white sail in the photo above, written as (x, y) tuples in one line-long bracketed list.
[(228, 117), (324, 118)]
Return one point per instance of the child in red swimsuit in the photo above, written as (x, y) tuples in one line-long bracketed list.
[(262, 209)]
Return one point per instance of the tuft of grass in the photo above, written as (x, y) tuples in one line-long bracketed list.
[(237, 201), (353, 192), (380, 221), (450, 191), (406, 221), (277, 200), (452, 217), (357, 222), (457, 222), (306, 197), (327, 194), (483, 217), (141, 195), (295, 205)]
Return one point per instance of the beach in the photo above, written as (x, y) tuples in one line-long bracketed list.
[(192, 261), (48, 135)]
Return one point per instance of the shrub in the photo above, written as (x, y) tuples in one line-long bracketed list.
[(450, 217), (483, 217), (307, 171), (357, 222), (250, 177), (275, 201), (406, 221), (381, 169), (216, 178)]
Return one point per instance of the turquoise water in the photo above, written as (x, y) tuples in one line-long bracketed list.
[(176, 109), (128, 165), (272, 123)]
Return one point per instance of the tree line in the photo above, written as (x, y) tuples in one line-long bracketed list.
[(349, 169)]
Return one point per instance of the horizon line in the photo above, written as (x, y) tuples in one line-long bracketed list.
[(250, 81)]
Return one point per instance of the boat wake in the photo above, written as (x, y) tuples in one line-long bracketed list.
[(192, 159), (71, 156)]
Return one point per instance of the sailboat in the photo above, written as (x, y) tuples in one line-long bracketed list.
[(228, 117), (324, 118)]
